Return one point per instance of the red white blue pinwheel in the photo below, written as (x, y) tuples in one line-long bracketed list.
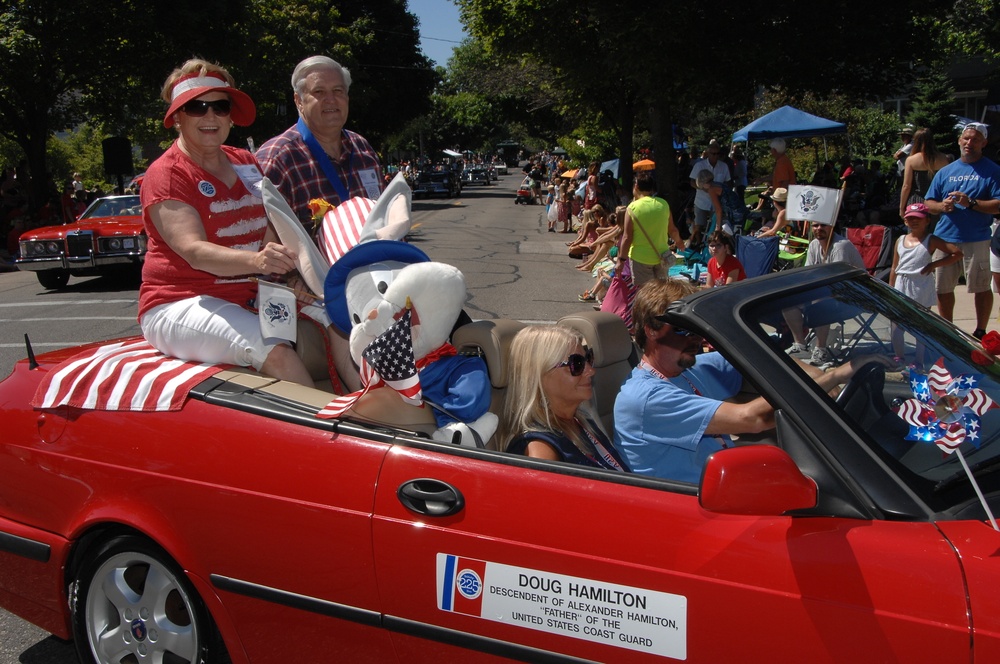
[(945, 410), (948, 411)]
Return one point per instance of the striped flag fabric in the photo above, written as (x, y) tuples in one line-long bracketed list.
[(341, 227), (122, 376)]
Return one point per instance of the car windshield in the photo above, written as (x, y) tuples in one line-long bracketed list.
[(113, 207), (935, 408)]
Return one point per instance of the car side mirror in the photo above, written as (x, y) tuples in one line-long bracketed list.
[(758, 480)]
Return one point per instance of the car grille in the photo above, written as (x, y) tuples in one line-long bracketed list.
[(79, 245)]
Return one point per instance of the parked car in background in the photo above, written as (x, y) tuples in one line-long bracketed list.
[(437, 183), (109, 235), (500, 168), (476, 174)]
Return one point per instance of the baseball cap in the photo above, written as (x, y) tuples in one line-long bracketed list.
[(916, 210), (978, 126)]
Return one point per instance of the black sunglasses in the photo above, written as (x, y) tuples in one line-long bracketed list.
[(576, 362), (197, 108)]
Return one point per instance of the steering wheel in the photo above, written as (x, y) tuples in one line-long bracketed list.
[(869, 382)]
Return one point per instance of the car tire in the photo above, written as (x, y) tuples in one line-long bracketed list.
[(168, 623), (53, 279)]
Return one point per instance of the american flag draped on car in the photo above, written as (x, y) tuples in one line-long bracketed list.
[(388, 360), (122, 376)]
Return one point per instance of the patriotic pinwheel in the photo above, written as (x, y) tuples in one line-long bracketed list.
[(945, 410)]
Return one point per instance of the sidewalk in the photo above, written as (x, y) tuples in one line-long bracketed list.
[(965, 311)]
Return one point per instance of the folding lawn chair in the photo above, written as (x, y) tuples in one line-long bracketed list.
[(757, 254), (791, 251), (875, 244)]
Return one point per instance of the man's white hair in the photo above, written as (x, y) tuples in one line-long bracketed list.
[(313, 63)]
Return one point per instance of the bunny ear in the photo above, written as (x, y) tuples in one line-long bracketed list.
[(310, 263), (390, 219)]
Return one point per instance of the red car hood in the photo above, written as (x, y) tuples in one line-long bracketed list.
[(101, 226)]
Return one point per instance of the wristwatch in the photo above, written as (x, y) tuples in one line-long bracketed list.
[(973, 203)]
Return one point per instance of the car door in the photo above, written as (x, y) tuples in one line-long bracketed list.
[(532, 560)]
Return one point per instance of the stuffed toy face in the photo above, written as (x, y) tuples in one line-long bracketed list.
[(377, 294)]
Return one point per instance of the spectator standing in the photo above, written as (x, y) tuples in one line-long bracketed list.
[(966, 193), (912, 272), (592, 192), (905, 150), (317, 157), (783, 173), (920, 167), (647, 232), (703, 206)]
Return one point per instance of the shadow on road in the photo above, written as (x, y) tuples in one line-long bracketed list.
[(126, 280), (49, 651)]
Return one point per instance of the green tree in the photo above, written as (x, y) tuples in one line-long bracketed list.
[(660, 66), (970, 27), (932, 104), (377, 41)]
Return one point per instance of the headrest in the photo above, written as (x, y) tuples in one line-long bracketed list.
[(605, 332), (493, 337)]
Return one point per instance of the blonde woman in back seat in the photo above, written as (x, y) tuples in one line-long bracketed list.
[(544, 413)]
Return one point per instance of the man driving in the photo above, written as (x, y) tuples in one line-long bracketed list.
[(674, 411)]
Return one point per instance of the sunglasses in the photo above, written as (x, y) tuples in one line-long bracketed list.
[(681, 332), (197, 108), (576, 362)]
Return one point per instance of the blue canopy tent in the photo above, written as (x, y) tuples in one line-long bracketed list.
[(788, 122)]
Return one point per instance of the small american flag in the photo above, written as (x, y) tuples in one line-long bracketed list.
[(388, 360), (123, 376)]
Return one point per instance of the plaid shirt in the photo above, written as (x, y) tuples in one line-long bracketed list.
[(287, 162)]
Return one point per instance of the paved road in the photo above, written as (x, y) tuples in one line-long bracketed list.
[(513, 267)]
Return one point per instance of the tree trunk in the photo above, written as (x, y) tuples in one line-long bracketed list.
[(661, 123)]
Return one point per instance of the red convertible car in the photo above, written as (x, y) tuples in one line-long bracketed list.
[(152, 522), (108, 235)]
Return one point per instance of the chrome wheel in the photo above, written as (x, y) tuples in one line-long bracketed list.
[(132, 604)]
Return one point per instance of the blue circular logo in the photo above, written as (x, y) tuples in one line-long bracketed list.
[(469, 584), (206, 188), (138, 629)]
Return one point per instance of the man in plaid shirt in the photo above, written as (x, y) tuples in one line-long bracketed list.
[(317, 157)]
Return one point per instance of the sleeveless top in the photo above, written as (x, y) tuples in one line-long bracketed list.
[(921, 181), (912, 259), (567, 450)]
